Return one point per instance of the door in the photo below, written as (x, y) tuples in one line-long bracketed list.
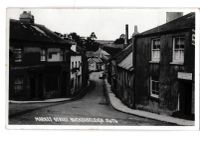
[(186, 97), (32, 87)]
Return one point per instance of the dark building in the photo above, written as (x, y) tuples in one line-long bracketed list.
[(163, 60), (38, 61), (122, 76)]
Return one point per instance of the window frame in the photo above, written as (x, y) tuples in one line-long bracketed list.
[(154, 50), (43, 55), (17, 54), (18, 84), (180, 60), (151, 88)]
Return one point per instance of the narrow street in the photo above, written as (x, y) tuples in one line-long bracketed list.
[(92, 109)]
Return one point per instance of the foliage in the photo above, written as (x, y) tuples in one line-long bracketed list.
[(120, 40)]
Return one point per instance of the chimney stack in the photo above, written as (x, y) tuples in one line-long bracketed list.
[(135, 29), (26, 17), (126, 34), (173, 15)]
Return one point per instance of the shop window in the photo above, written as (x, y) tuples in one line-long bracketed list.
[(154, 87), (178, 49), (155, 50)]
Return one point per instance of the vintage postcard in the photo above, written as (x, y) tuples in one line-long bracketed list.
[(96, 67)]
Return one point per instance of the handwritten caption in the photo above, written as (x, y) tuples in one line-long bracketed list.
[(75, 120)]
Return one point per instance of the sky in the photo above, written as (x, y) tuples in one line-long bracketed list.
[(108, 24)]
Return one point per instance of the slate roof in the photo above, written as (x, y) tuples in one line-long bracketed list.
[(33, 33), (127, 62), (95, 59), (124, 58), (113, 49), (184, 22), (123, 54)]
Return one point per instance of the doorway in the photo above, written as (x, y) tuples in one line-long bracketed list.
[(185, 99), (32, 87)]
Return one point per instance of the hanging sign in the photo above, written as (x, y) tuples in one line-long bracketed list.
[(193, 36)]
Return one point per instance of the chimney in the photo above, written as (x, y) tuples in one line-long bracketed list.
[(173, 15), (26, 17), (135, 29), (126, 34)]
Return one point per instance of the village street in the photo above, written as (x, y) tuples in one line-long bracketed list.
[(92, 109)]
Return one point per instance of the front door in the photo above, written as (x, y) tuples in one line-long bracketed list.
[(32, 87), (185, 97)]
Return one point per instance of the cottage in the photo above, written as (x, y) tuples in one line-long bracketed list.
[(164, 68), (38, 61), (95, 64), (124, 76)]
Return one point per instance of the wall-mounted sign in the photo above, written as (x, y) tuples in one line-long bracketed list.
[(184, 75), (193, 36)]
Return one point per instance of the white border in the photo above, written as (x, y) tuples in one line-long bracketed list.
[(85, 127)]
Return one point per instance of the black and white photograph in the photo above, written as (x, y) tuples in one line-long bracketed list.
[(101, 67)]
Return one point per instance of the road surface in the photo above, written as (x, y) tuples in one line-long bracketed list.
[(92, 109)]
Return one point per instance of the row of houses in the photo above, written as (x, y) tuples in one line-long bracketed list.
[(155, 71), (41, 63)]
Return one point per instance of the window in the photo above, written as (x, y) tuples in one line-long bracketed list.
[(18, 54), (54, 55), (18, 85), (178, 49), (155, 50), (72, 65), (43, 55), (76, 64), (154, 87), (61, 55), (79, 64)]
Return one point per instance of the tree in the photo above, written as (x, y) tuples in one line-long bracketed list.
[(120, 40), (93, 36)]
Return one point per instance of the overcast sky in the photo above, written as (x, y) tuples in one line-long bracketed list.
[(108, 24)]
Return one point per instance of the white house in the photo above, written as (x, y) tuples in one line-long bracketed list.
[(75, 71)]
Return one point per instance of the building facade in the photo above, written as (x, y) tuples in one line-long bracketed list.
[(38, 61), (125, 77), (75, 73), (164, 68)]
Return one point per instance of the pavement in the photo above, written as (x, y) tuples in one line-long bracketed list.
[(43, 101), (92, 109), (118, 105)]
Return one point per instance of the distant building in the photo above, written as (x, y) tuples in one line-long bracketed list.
[(95, 64), (38, 61)]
